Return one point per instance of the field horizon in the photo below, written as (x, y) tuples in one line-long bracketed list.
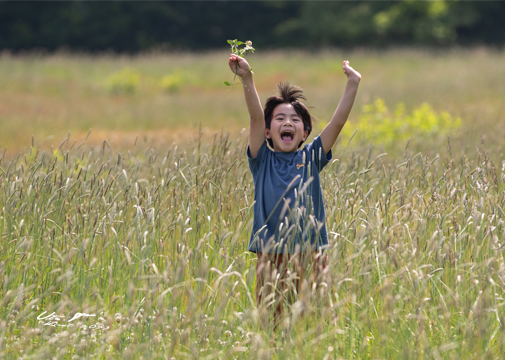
[(167, 98)]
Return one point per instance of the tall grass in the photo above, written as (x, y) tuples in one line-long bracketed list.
[(154, 244)]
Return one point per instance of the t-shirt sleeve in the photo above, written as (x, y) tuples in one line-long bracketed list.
[(317, 155), (254, 163)]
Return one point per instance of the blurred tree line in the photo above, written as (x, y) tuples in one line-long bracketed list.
[(127, 26)]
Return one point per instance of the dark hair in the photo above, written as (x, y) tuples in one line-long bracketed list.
[(288, 94)]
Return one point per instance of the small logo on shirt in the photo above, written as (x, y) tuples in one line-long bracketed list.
[(298, 166)]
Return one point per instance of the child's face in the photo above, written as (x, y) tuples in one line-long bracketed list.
[(286, 129)]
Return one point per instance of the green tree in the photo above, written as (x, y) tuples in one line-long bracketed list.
[(389, 22), (127, 26)]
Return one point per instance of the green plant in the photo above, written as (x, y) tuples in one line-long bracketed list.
[(172, 83), (124, 81), (377, 122), (235, 49)]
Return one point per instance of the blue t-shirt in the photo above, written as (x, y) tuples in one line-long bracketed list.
[(288, 210)]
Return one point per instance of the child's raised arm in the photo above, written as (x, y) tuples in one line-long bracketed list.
[(240, 66), (332, 130)]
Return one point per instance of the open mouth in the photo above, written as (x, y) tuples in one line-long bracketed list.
[(287, 135)]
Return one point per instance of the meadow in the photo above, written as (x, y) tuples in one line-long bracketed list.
[(167, 97), (130, 241)]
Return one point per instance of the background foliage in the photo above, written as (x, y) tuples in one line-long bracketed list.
[(125, 26)]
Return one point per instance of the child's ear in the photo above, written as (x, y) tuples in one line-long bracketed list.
[(267, 133), (305, 135)]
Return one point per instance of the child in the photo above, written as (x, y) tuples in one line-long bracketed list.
[(289, 217)]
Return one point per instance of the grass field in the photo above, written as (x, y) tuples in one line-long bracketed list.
[(48, 96), (137, 249)]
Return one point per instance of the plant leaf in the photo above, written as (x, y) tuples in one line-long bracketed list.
[(227, 83)]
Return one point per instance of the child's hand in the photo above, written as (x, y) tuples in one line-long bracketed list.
[(350, 72), (239, 65)]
